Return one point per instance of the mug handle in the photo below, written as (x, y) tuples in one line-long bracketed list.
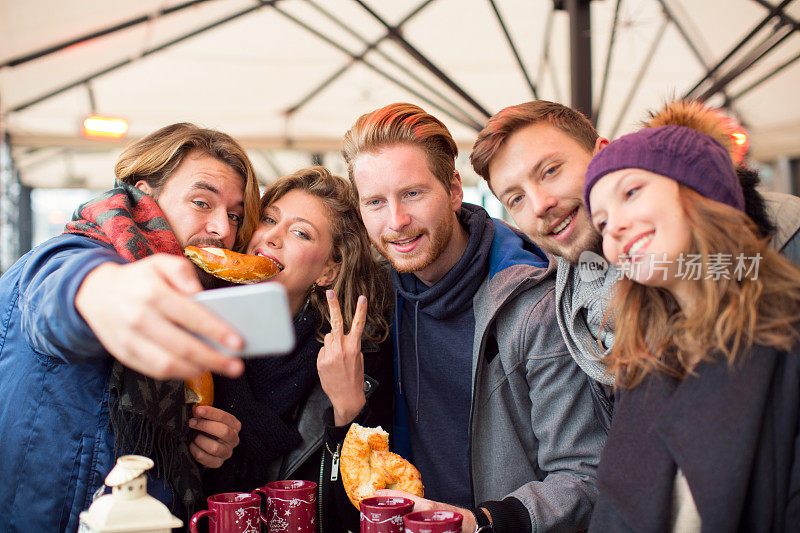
[(261, 492), (197, 516)]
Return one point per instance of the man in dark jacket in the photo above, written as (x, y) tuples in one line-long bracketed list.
[(490, 406), (97, 334)]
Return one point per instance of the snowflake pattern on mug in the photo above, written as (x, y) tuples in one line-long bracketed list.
[(280, 522), (247, 520)]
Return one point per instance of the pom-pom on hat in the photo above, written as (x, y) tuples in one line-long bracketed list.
[(680, 153)]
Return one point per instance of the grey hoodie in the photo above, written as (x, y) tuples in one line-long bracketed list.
[(535, 442)]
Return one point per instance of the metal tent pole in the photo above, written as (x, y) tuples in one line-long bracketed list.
[(372, 46), (580, 53), (710, 75), (99, 33), (599, 105), (149, 51), (470, 123), (15, 209), (423, 60), (514, 50)]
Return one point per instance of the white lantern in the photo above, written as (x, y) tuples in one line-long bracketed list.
[(128, 508)]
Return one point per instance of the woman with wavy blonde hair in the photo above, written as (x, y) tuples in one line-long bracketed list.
[(706, 434), (339, 296)]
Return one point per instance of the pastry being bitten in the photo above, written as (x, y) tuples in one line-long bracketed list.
[(232, 266), (366, 465)]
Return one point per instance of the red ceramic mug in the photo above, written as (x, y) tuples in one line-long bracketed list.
[(384, 514), (230, 512), (291, 506), (433, 522)]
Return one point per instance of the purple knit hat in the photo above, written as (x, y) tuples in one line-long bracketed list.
[(683, 154)]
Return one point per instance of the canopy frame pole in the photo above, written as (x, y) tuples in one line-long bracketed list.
[(544, 60), (762, 50), (21, 60), (514, 50), (764, 78), (397, 36), (640, 75), (773, 12), (149, 51), (470, 124), (580, 53), (599, 105), (370, 46)]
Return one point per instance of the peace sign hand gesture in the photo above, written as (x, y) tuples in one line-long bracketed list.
[(341, 364)]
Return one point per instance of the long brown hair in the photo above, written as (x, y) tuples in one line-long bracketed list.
[(653, 334), (359, 272), (155, 157)]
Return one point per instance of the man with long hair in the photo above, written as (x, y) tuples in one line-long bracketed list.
[(490, 406), (99, 333)]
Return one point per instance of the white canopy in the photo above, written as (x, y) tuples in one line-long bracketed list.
[(289, 77)]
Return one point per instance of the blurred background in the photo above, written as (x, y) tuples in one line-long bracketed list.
[(287, 78)]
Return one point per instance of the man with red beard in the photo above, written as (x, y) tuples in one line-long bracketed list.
[(490, 406)]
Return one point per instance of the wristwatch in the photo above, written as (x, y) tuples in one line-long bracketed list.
[(482, 522)]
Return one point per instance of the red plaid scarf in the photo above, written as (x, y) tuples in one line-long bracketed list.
[(127, 219), (148, 417)]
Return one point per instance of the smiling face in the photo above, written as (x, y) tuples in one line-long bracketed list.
[(641, 220), (538, 175), (295, 232), (203, 201), (409, 215)]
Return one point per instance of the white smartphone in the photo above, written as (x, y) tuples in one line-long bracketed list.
[(259, 312)]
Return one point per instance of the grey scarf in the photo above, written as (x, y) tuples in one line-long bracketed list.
[(581, 307)]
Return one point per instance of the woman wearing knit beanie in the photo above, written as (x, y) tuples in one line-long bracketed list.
[(706, 434)]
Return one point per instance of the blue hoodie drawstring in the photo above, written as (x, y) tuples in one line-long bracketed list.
[(397, 343), (397, 347), (416, 350)]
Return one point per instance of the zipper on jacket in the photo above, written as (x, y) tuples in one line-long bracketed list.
[(478, 365), (287, 470), (335, 463), (334, 477), (319, 492)]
